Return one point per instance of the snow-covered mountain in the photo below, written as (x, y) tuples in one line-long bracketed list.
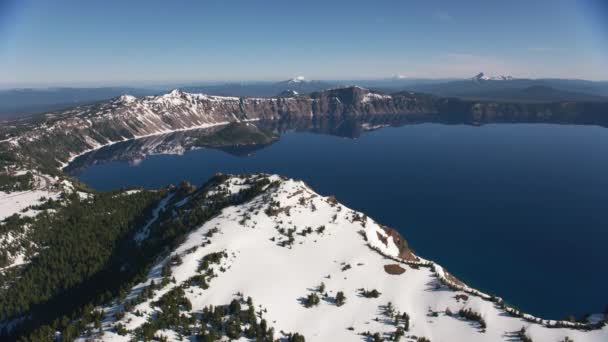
[(84, 128), (297, 79), (483, 77), (53, 139), (302, 85), (295, 265)]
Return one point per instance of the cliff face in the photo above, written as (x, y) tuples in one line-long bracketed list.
[(54, 138)]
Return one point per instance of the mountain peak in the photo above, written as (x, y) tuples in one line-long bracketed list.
[(126, 98), (483, 77), (298, 79), (175, 92)]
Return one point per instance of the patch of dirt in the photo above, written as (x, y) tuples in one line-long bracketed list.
[(332, 200), (384, 239), (405, 252), (461, 297), (394, 269)]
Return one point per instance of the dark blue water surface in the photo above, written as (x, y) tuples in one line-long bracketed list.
[(519, 210)]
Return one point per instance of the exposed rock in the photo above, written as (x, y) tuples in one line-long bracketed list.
[(394, 269)]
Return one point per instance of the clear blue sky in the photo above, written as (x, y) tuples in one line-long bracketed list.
[(128, 42)]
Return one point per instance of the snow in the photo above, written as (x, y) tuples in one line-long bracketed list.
[(483, 77), (297, 79), (145, 231), (371, 127), (17, 260), (45, 188), (177, 97), (369, 97), (14, 202), (127, 98), (278, 277)]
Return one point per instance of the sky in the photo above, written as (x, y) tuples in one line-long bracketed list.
[(110, 42)]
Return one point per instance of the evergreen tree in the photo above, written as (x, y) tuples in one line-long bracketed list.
[(340, 298), (406, 321), (312, 300)]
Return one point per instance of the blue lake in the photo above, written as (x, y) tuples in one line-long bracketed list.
[(519, 210)]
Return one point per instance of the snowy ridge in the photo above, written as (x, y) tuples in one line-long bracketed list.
[(283, 245), (87, 128)]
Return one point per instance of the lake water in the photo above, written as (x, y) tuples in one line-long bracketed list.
[(519, 210)]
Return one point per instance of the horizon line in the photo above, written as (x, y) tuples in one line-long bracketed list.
[(178, 83)]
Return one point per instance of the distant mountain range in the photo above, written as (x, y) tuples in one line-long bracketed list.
[(508, 88), (535, 93), (18, 102), (297, 84)]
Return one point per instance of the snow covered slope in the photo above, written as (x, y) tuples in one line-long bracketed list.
[(291, 261), (14, 244)]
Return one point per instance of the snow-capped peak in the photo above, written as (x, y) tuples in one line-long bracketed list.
[(399, 77), (127, 98), (297, 79), (175, 92), (483, 77)]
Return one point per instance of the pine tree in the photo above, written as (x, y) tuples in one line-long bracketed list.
[(406, 321), (235, 306), (312, 300), (340, 298)]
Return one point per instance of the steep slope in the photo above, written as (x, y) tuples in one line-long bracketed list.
[(290, 263)]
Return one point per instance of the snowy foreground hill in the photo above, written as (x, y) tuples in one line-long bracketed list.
[(290, 264)]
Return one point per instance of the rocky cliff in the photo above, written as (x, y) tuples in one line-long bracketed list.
[(53, 139)]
